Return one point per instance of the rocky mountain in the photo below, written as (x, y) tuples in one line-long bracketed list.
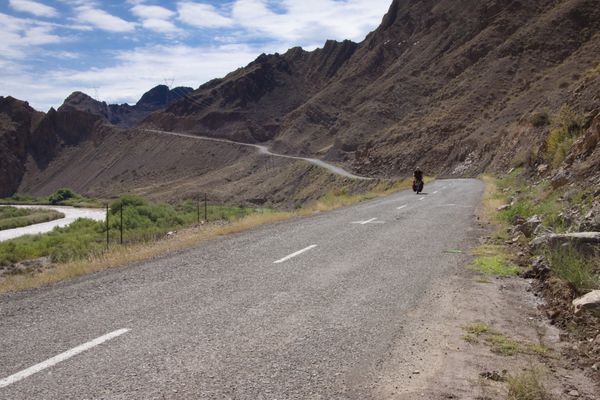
[(455, 86), (17, 121), (125, 115), (30, 140), (450, 85)]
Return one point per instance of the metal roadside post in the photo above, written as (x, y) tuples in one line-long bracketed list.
[(107, 226), (198, 207), (121, 222)]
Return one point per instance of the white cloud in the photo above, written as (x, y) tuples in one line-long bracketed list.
[(103, 20), (131, 72), (20, 37), (33, 7), (155, 18), (310, 20), (152, 12), (202, 15), (134, 73)]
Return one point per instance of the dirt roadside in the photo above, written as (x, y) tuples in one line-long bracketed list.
[(477, 336)]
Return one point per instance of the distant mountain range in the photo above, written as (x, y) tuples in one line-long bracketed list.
[(450, 85)]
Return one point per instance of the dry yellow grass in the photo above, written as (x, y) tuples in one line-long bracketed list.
[(187, 238), (491, 201)]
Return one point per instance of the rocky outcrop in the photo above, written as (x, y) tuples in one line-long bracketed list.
[(590, 301), (584, 241), (17, 119)]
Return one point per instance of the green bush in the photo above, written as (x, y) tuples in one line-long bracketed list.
[(61, 195), (566, 127), (540, 119), (79, 240)]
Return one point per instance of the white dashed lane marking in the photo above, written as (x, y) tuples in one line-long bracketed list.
[(60, 358), (295, 254)]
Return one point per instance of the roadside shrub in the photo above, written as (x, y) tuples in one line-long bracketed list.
[(566, 127), (540, 119), (80, 239), (574, 267), (61, 195), (527, 386)]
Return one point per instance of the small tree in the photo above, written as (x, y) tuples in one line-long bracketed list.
[(61, 195)]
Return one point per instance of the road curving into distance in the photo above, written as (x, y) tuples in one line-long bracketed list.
[(327, 307), (71, 215), (265, 150)]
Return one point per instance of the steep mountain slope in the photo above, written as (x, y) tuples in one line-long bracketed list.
[(249, 103), (443, 83), (17, 120)]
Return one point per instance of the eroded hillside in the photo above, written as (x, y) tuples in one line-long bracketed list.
[(454, 86)]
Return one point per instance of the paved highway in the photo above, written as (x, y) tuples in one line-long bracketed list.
[(312, 308)]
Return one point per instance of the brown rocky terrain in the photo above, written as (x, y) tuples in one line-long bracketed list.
[(17, 120), (450, 85)]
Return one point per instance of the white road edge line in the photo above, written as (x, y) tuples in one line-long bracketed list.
[(59, 358), (401, 207), (295, 254)]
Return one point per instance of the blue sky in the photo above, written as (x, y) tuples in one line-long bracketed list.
[(117, 50)]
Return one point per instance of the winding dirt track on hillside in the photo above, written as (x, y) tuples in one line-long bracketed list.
[(265, 151)]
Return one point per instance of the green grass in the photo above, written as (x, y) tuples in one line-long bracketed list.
[(527, 386), (142, 222), (492, 260), (477, 329), (63, 197), (580, 270), (502, 344), (540, 199), (12, 217), (566, 127)]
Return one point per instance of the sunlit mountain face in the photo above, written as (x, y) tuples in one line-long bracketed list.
[(115, 51)]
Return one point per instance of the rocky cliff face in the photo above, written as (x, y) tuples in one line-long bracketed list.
[(446, 84), (17, 120)]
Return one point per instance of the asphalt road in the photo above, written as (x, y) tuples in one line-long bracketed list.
[(248, 316), (265, 150), (71, 215)]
